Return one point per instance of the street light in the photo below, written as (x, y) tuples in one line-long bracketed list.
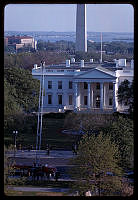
[(15, 135)]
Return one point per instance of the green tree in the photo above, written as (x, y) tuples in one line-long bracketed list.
[(122, 133), (20, 97), (126, 95), (11, 107), (7, 166), (118, 127), (97, 155), (22, 87)]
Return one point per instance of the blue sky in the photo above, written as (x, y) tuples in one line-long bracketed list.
[(62, 17)]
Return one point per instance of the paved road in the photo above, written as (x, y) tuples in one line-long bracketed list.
[(41, 154), (38, 189), (55, 158)]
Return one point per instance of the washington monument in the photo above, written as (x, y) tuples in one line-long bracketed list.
[(81, 29)]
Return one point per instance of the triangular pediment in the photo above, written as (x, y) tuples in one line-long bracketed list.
[(96, 74)]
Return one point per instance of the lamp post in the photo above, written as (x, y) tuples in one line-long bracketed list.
[(15, 135)]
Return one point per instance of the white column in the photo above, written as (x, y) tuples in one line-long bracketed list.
[(92, 97), (105, 88), (75, 95), (114, 97), (79, 95), (89, 95), (101, 96)]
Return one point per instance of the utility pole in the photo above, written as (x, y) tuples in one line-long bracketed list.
[(40, 112)]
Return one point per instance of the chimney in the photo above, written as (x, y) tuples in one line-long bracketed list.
[(82, 63), (91, 60), (67, 63), (122, 62), (35, 66), (132, 64), (73, 60)]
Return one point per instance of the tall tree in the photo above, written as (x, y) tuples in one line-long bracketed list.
[(118, 127), (20, 97), (97, 156), (122, 133), (22, 88), (126, 95)]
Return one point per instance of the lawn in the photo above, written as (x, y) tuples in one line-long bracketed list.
[(51, 134)]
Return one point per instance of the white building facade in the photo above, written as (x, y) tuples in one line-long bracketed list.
[(81, 87)]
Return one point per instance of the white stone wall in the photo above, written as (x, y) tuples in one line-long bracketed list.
[(65, 91), (78, 92)]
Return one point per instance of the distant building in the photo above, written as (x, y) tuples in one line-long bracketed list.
[(6, 41), (20, 42), (18, 46), (83, 86)]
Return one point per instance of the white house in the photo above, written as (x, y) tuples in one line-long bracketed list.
[(80, 86)]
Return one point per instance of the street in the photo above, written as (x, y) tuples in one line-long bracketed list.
[(57, 158)]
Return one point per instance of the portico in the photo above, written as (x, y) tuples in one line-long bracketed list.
[(95, 93)]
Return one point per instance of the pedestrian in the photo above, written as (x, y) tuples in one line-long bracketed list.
[(48, 176), (57, 174), (74, 149), (34, 174), (20, 147), (48, 149)]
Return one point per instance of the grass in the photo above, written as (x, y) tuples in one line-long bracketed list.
[(51, 134)]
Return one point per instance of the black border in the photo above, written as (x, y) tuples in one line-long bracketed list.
[(3, 3)]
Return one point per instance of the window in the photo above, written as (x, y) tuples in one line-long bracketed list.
[(70, 70), (49, 99), (60, 70), (110, 101), (85, 100), (49, 84), (49, 70), (70, 84), (85, 85), (98, 86), (60, 99), (110, 86), (59, 84), (70, 99)]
